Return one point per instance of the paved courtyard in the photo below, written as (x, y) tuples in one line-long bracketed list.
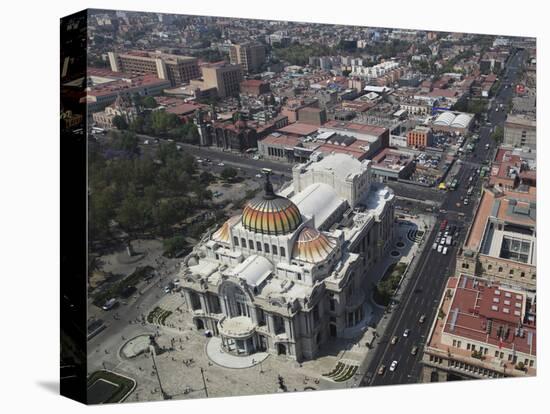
[(176, 369)]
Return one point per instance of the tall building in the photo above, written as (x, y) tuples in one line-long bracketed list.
[(224, 77), (176, 69), (288, 273), (251, 56), (520, 132), (483, 330)]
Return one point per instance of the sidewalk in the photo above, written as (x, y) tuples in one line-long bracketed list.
[(386, 317)]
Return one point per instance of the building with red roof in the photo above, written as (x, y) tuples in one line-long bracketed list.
[(483, 330)]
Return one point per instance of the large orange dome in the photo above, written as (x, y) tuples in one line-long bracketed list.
[(271, 215)]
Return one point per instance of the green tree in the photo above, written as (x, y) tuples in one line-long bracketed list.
[(137, 99), (126, 141), (101, 207), (229, 173), (120, 122), (130, 214), (149, 102), (174, 245), (498, 134), (165, 215)]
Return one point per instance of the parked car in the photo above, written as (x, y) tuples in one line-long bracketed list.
[(422, 318), (434, 246), (439, 248), (381, 370), (445, 249), (394, 340), (414, 350), (110, 304)]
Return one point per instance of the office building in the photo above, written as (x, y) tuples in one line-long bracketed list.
[(177, 69), (251, 56), (226, 78), (520, 132)]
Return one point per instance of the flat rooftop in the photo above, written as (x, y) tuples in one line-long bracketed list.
[(486, 312)]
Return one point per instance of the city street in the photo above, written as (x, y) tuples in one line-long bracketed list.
[(423, 294)]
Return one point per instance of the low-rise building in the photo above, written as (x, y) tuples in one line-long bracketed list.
[(392, 165), (104, 87), (501, 243), (420, 137), (312, 116), (254, 87), (122, 107), (483, 330)]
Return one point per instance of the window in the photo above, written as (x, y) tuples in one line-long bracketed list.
[(500, 269), (299, 276), (490, 266), (243, 242), (282, 251), (315, 313), (266, 247), (496, 354), (468, 347), (250, 244), (511, 271), (259, 246), (274, 249), (235, 240), (522, 274)]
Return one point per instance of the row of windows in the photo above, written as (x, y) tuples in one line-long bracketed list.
[(472, 368), (276, 251), (511, 272)]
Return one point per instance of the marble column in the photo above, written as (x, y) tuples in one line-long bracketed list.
[(270, 323), (188, 300)]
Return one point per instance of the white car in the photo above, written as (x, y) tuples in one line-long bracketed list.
[(221, 164), (445, 250), (406, 332), (258, 175), (434, 246), (393, 365), (439, 248)]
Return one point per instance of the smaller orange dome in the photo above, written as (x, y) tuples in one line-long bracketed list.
[(312, 246)]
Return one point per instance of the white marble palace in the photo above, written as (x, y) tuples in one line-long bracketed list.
[(289, 273)]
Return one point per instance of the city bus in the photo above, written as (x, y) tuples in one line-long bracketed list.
[(454, 184)]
